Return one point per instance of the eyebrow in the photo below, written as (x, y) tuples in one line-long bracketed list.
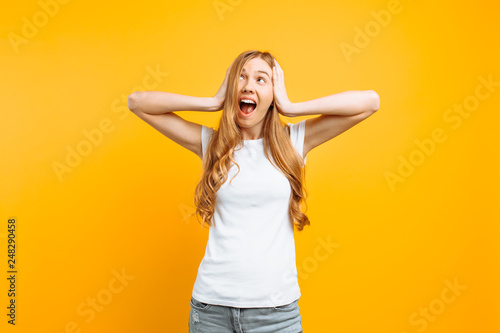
[(264, 73), (259, 71)]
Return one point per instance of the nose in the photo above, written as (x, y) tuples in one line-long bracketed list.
[(248, 86)]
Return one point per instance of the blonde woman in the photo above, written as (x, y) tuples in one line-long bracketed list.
[(251, 190)]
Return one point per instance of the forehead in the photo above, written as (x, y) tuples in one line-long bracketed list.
[(256, 64)]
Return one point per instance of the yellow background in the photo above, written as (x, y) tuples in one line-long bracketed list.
[(126, 205)]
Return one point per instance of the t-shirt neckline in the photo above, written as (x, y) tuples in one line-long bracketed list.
[(254, 139)]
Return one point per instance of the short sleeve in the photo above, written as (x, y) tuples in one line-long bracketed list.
[(297, 134), (206, 134)]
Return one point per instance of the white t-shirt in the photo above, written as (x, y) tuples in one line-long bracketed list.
[(250, 255)]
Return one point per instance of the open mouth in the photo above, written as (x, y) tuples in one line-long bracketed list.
[(247, 106)]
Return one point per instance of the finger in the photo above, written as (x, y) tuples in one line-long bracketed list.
[(277, 72), (281, 73), (278, 68)]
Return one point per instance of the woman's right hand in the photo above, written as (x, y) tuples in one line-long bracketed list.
[(221, 94)]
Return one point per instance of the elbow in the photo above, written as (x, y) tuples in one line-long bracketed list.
[(373, 101), (133, 101)]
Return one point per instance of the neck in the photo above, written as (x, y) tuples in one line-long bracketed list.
[(251, 134)]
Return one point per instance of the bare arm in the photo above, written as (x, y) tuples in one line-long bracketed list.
[(156, 108), (338, 112), (160, 102), (346, 103)]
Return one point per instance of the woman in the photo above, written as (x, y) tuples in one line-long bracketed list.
[(247, 280)]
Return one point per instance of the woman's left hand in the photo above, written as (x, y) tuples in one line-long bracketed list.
[(285, 107)]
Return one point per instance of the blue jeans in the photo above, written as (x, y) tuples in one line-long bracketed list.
[(209, 318)]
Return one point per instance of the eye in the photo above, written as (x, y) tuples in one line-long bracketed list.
[(241, 76), (263, 81)]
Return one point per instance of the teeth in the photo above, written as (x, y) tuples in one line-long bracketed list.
[(249, 101)]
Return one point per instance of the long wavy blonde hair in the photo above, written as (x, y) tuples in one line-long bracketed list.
[(219, 156)]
